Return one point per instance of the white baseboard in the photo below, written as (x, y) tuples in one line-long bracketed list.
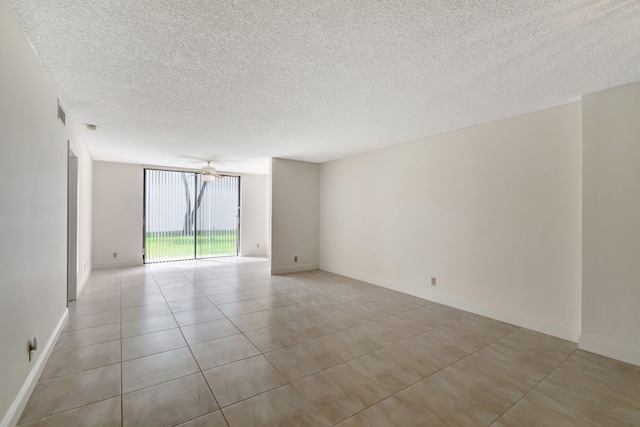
[(608, 350), (257, 254), (15, 410), (294, 268), (117, 264), (470, 306)]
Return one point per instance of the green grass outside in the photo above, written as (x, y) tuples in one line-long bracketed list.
[(165, 246)]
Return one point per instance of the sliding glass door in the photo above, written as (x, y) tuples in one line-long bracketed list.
[(217, 222), (186, 217)]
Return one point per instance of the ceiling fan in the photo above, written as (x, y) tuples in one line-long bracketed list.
[(209, 173)]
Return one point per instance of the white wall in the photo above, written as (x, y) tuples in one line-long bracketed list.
[(294, 215), (492, 211), (33, 216), (611, 223), (117, 214), (253, 211)]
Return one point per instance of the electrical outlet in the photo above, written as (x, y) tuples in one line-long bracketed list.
[(295, 259), (258, 245), (433, 281), (115, 254)]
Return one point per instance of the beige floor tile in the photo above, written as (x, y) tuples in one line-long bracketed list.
[(252, 321), (275, 337), (391, 412), (214, 289), (313, 327), (105, 413), (493, 361), (147, 325), (72, 391), (243, 379), (199, 276), (346, 319), (169, 403), (191, 317), (274, 301), (283, 406), (295, 312), (139, 300), (240, 307), (208, 331), (347, 345), (397, 355), (139, 291), (358, 386), (151, 370), (171, 280), (228, 297), (304, 359), (486, 326), (388, 375), (545, 406), (150, 310), (222, 351), (213, 419), (88, 336), (155, 342), (328, 397), (80, 308), (533, 353), (460, 397), (185, 288), (81, 359), (616, 383), (182, 294), (444, 345), (361, 338), (91, 320), (208, 280), (189, 304)]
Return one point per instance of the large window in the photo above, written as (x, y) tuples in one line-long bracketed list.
[(187, 218)]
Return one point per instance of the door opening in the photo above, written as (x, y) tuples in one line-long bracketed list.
[(72, 226)]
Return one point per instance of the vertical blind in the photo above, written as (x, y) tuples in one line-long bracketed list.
[(187, 218)]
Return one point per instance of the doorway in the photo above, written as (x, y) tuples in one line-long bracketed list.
[(186, 217), (72, 226)]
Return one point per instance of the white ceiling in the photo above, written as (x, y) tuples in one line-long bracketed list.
[(239, 81)]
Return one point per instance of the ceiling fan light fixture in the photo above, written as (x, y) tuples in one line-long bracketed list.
[(208, 173)]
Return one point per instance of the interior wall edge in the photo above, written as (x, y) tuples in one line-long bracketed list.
[(83, 282), (20, 402), (117, 264), (608, 350), (467, 305), (294, 269)]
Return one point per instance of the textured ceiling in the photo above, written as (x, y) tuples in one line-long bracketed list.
[(240, 81)]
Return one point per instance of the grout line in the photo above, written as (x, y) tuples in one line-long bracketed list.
[(67, 410), (535, 386), (197, 364), (297, 319)]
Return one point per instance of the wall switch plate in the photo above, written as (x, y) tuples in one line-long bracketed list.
[(115, 254), (433, 281)]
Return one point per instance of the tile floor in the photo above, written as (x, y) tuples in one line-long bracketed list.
[(217, 343)]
